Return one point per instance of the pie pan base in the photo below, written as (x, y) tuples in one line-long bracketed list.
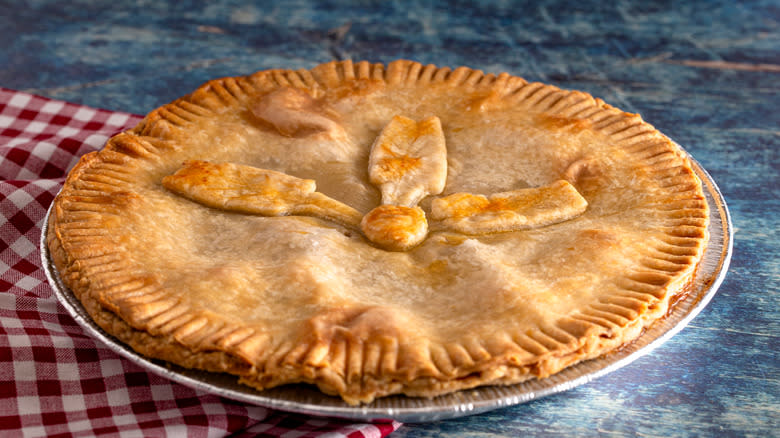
[(309, 401)]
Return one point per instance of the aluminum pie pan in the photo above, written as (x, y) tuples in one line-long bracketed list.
[(307, 400)]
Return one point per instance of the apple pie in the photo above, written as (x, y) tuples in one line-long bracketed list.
[(380, 229)]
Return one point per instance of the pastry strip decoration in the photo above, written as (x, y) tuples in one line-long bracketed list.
[(408, 162)]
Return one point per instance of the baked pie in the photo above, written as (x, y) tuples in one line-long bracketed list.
[(377, 230)]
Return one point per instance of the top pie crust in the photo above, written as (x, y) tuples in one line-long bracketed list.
[(298, 295)]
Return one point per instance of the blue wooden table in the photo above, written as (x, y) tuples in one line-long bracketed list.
[(706, 73)]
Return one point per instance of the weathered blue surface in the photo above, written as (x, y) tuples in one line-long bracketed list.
[(707, 73)]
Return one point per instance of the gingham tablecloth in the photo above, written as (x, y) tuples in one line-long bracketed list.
[(55, 380)]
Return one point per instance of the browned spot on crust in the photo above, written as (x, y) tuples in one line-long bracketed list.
[(556, 122), (465, 204), (484, 102), (396, 165)]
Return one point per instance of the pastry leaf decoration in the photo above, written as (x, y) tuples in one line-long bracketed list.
[(407, 162), (509, 211), (247, 189)]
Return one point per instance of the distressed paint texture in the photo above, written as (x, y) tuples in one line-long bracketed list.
[(706, 73)]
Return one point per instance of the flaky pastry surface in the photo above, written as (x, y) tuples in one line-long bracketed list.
[(230, 230)]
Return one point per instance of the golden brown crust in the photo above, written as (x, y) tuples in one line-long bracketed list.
[(279, 300)]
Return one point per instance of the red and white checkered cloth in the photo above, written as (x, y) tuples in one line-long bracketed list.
[(55, 380)]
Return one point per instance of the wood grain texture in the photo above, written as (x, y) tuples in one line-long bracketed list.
[(706, 73)]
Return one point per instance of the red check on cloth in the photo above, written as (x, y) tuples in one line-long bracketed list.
[(55, 379)]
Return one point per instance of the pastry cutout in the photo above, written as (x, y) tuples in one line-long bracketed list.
[(395, 227), (408, 161), (247, 189), (509, 211)]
